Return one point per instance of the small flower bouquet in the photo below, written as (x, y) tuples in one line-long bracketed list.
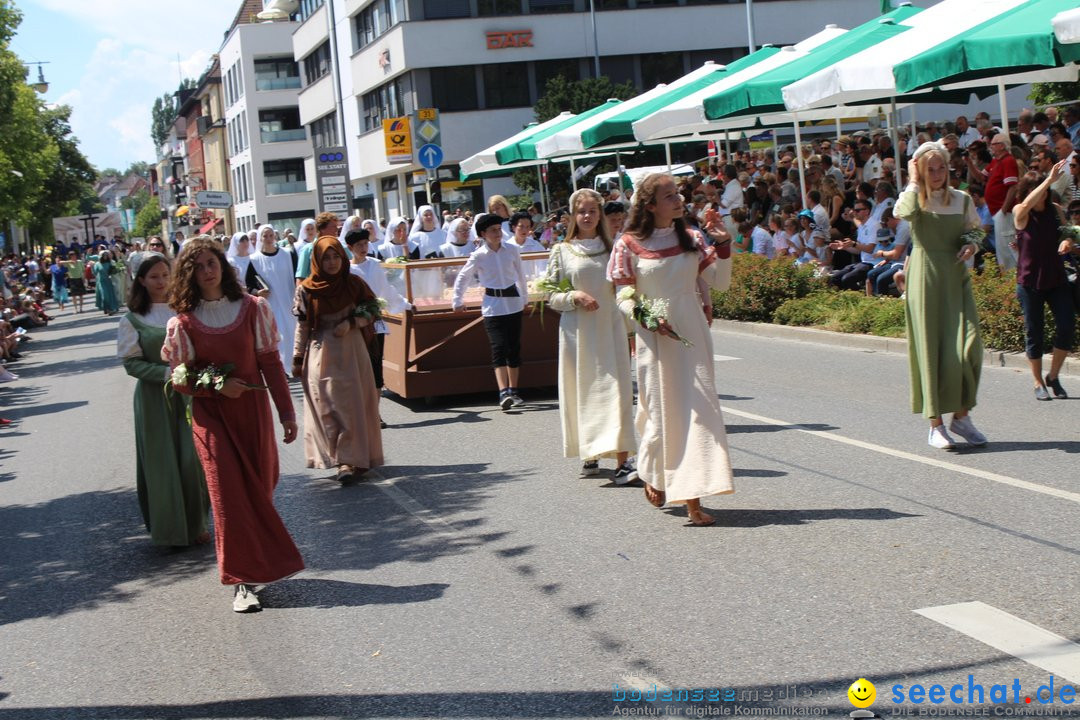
[(209, 377), (648, 312), (371, 309), (545, 286), (975, 236), (399, 260), (1070, 232)]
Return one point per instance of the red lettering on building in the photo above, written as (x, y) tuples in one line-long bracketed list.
[(498, 39)]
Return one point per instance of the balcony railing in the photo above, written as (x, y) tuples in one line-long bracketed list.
[(273, 136), (286, 188), (277, 83)]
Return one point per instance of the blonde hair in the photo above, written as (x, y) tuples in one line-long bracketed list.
[(922, 162), (576, 199), (495, 200)]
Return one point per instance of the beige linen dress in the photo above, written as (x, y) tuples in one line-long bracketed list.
[(596, 395), (341, 402), (683, 448)]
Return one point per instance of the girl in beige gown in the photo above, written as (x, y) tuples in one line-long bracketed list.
[(683, 452)]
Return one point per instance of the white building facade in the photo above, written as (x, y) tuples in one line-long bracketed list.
[(483, 63), (267, 143)]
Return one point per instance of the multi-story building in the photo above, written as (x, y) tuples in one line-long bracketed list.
[(267, 143), (483, 63), (208, 126)]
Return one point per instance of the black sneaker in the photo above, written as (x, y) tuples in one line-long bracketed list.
[(506, 401), (625, 473), (515, 400), (590, 468), (1055, 385)]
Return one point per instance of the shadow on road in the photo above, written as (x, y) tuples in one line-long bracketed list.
[(316, 593), (735, 429), (746, 518), (75, 553), (68, 368)]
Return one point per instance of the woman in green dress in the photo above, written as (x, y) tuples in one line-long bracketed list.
[(105, 297), (944, 346), (168, 477)]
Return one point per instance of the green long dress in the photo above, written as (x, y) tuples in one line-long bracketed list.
[(168, 476), (945, 349)]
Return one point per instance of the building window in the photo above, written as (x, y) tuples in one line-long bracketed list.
[(506, 85), (612, 4), (659, 68), (454, 88), (324, 131), (394, 99), (551, 6), (284, 176), (495, 8), (376, 19), (308, 8), (439, 9), (618, 68), (280, 125), (277, 74), (317, 63), (547, 69)]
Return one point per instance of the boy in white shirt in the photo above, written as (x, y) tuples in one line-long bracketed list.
[(496, 266)]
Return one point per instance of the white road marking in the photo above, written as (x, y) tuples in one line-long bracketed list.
[(944, 465), (723, 358), (1010, 634)]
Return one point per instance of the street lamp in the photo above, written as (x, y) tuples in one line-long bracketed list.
[(40, 86)]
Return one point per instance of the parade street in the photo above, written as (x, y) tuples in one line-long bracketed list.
[(476, 575)]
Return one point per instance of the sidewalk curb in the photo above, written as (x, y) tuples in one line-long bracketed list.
[(993, 358)]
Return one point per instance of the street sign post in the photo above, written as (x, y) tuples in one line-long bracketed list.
[(430, 154), (215, 199), (332, 188)]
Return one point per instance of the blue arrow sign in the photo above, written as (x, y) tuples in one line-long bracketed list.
[(431, 156)]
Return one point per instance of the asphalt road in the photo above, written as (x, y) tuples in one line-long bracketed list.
[(477, 576)]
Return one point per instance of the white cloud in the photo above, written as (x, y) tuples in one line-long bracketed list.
[(142, 49)]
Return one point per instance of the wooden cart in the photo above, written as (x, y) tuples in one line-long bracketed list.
[(433, 351)]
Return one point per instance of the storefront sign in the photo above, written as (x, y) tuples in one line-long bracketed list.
[(398, 140), (332, 180), (499, 39)]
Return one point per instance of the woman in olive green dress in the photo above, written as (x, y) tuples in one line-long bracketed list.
[(944, 346), (168, 477)]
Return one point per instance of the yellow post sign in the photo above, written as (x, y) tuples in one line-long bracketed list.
[(398, 138)]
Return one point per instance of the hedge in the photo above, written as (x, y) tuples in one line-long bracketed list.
[(764, 290)]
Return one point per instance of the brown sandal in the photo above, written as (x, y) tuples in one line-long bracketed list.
[(656, 498), (700, 518)]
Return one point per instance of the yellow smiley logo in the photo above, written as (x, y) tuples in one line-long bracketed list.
[(862, 693)]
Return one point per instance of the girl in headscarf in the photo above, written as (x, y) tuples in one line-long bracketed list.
[(426, 232), (376, 235), (397, 243), (307, 234), (168, 477), (239, 255), (271, 274), (458, 242), (353, 222), (330, 355)]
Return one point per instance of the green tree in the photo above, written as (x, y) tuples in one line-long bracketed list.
[(1053, 93), (163, 112), (135, 202), (577, 96), (70, 178), (148, 219)]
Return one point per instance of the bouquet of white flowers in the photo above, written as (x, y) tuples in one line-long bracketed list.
[(649, 312)]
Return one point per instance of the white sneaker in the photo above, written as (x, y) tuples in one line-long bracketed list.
[(966, 429), (940, 439), (245, 600), (6, 375)]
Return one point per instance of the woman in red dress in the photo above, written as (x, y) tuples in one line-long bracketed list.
[(218, 324)]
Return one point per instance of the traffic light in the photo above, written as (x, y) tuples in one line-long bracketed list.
[(434, 192)]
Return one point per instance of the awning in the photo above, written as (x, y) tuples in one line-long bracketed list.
[(486, 161), (688, 114), (525, 149), (1067, 26), (211, 225), (764, 93), (867, 75), (1020, 40), (614, 124)]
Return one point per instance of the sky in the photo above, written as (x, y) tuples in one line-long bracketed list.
[(109, 60)]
